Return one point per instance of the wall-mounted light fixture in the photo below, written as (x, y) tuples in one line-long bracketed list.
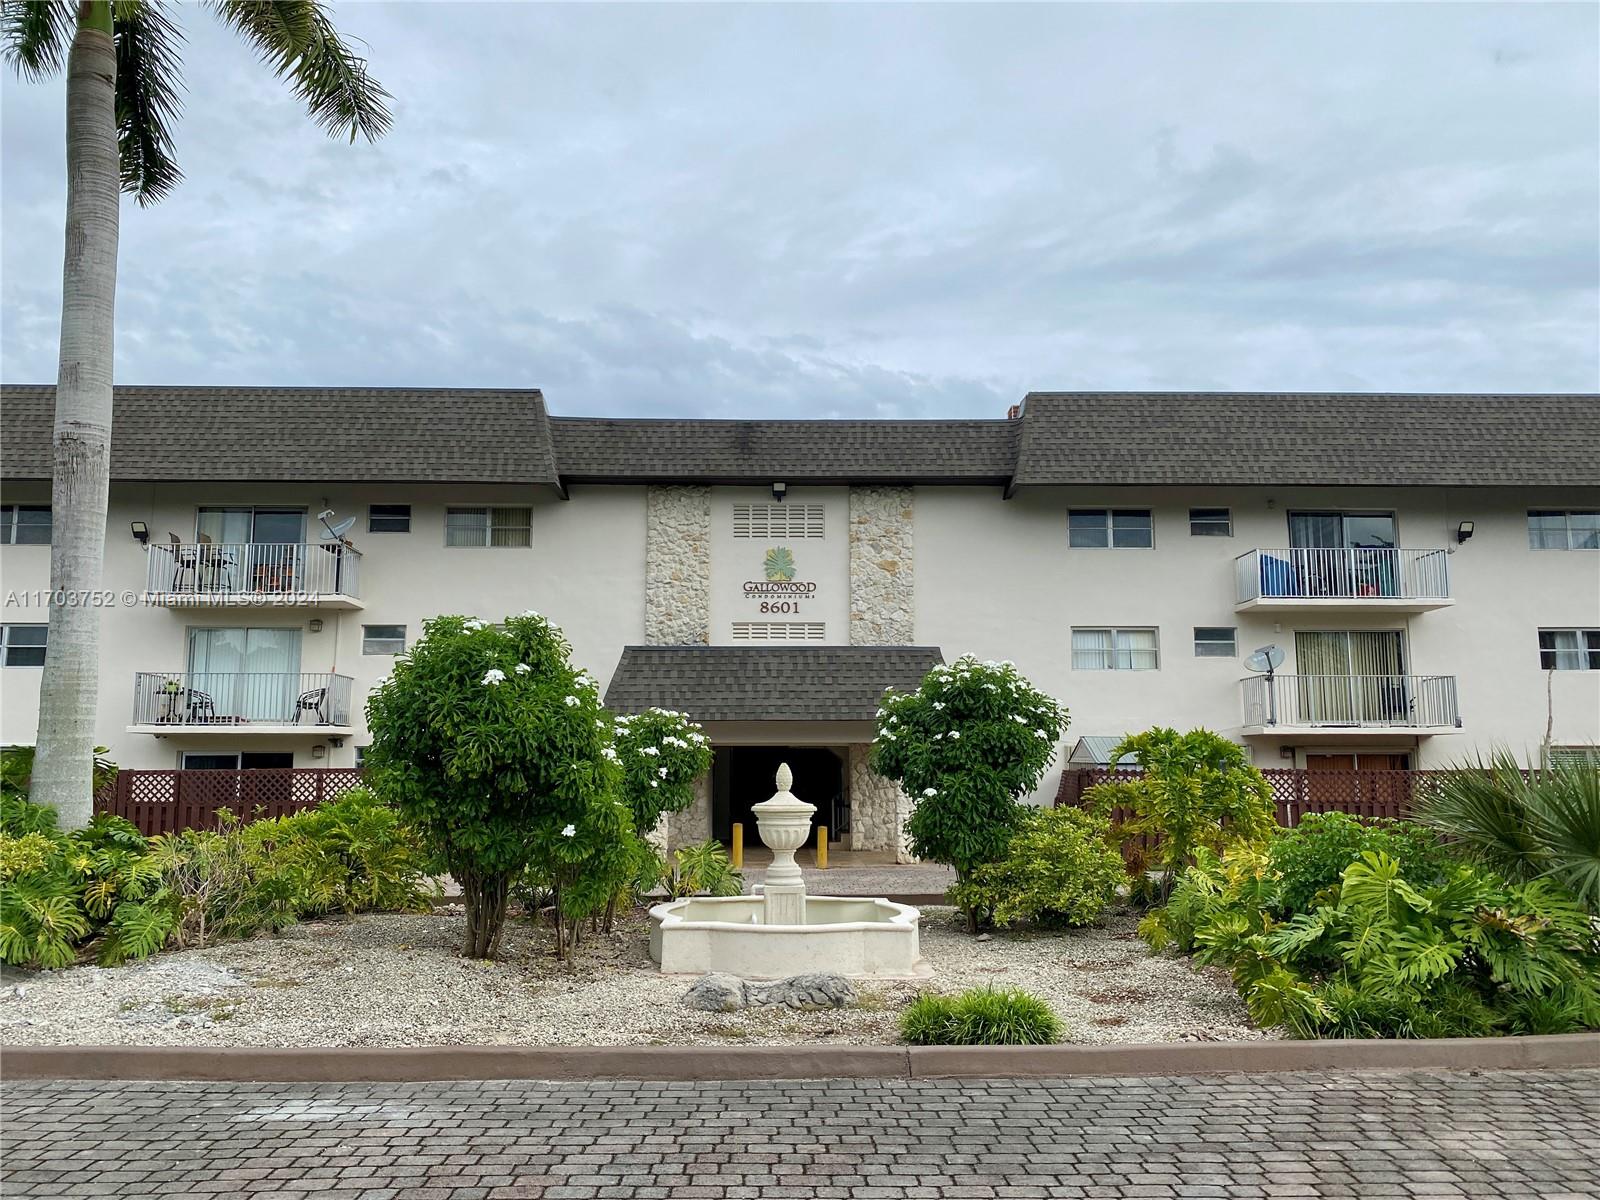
[(315, 624), (318, 751), (141, 533), (780, 490), (1286, 752), (1463, 532)]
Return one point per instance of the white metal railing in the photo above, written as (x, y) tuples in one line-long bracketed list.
[(1343, 573), (235, 698), (254, 569), (1359, 701)]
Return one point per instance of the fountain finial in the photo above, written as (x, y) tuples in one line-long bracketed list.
[(785, 777)]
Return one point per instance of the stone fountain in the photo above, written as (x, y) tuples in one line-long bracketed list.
[(785, 932)]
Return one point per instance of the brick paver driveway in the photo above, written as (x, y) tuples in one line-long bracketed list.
[(1514, 1134)]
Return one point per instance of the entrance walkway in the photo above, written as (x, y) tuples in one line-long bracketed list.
[(858, 873), (1492, 1136)]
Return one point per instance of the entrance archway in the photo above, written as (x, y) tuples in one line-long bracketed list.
[(742, 777)]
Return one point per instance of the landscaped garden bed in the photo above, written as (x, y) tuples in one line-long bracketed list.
[(399, 980)]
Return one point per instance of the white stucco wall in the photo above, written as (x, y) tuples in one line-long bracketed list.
[(996, 578), (824, 561)]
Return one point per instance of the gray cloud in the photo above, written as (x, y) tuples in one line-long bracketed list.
[(865, 210)]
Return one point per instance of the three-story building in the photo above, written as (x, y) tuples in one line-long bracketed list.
[(1335, 581)]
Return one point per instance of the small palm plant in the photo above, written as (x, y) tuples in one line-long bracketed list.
[(1527, 825)]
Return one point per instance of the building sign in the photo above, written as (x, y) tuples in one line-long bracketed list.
[(778, 590)]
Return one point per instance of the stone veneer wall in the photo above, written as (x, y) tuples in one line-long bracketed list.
[(882, 567), (878, 809), (677, 565), (693, 825)]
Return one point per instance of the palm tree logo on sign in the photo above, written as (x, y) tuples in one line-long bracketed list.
[(779, 565)]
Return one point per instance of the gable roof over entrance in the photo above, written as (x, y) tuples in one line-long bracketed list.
[(766, 683)]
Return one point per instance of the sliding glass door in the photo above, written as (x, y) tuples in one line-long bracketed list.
[(1350, 677), (1344, 554), (244, 674), (253, 549)]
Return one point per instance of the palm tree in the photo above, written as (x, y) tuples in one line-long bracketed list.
[(121, 59)]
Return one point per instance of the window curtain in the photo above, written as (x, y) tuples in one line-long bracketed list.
[(249, 674), (1349, 677)]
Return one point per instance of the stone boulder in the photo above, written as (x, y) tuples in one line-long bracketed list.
[(727, 993)]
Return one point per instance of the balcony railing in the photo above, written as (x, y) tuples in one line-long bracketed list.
[(253, 569), (1351, 701), (231, 700), (1344, 573)]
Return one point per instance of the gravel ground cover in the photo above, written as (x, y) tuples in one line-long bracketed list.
[(397, 980)]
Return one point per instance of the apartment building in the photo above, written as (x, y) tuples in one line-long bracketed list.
[(1424, 568)]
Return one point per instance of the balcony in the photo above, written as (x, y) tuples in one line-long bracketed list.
[(235, 703), (1343, 579), (1333, 705), (253, 574)]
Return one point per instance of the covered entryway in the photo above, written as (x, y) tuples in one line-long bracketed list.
[(743, 775)]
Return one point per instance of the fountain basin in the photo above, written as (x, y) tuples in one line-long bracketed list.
[(858, 936)]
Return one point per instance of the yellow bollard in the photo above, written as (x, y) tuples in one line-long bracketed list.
[(738, 845), (822, 847)]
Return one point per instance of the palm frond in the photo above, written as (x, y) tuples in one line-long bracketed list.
[(296, 38), (148, 79), (37, 34)]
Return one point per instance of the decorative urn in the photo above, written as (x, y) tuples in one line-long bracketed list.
[(784, 823)]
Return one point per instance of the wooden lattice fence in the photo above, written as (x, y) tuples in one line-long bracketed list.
[(170, 801)]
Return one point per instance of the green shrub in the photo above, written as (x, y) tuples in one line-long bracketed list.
[(964, 746), (1059, 869), (703, 870), (1464, 955), (1196, 791), (1539, 824), (1310, 858), (980, 1017)]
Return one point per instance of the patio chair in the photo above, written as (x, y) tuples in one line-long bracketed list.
[(202, 710), (184, 558), (312, 701), (216, 564)]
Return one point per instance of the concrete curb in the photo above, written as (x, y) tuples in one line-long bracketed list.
[(422, 1063)]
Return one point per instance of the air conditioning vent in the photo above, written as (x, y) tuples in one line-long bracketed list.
[(778, 522), (780, 631)]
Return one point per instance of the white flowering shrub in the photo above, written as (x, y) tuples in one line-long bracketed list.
[(661, 753), (493, 746), (964, 746)]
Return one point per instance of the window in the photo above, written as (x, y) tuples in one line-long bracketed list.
[(1575, 756), (1569, 649), (1114, 650), (1549, 530), (210, 762), (1215, 641), (1210, 522), (778, 522), (1121, 528), (383, 639), (488, 527), (779, 631), (22, 645), (388, 518), (250, 760), (25, 524)]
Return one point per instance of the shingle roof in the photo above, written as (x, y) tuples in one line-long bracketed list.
[(769, 683), (1225, 438), (407, 435), (599, 448)]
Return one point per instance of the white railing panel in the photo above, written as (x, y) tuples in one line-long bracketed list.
[(254, 569), (1351, 701), (1343, 573), (235, 698)]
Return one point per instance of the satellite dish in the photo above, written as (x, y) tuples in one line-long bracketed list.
[(1267, 659), (334, 533)]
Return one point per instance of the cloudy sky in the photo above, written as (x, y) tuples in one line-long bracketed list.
[(860, 210)]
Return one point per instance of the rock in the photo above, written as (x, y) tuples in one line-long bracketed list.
[(716, 992), (806, 992), (984, 937)]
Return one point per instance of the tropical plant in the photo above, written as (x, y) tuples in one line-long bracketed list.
[(1308, 860), (661, 754), (1195, 790), (1468, 954), (122, 97), (495, 748), (1542, 823), (964, 746), (1059, 869), (980, 1017), (702, 870)]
